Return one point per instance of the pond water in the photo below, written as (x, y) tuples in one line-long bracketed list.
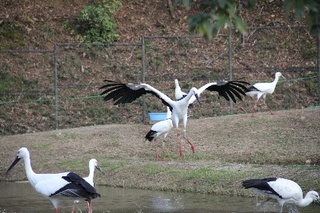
[(20, 197)]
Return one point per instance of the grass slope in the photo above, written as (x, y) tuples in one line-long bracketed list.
[(229, 149)]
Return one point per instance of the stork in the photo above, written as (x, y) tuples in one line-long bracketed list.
[(285, 191), (93, 164), (158, 129), (259, 90), (55, 186), (128, 92)]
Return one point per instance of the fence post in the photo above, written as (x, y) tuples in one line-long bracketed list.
[(143, 78), (56, 86), (318, 67), (230, 60)]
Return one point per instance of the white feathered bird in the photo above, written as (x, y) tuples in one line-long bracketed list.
[(285, 191), (259, 90), (158, 129)]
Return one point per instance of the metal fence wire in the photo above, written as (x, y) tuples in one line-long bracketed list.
[(49, 89)]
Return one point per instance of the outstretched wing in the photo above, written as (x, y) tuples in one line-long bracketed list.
[(126, 93), (227, 89)]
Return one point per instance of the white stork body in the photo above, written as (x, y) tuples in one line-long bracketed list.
[(283, 190), (259, 90), (55, 186), (126, 93), (158, 129)]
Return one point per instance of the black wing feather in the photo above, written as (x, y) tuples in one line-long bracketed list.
[(261, 184), (230, 89), (77, 187), (122, 93), (150, 135), (252, 88)]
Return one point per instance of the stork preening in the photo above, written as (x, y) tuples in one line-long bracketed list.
[(128, 92), (283, 190), (158, 129), (259, 90), (55, 186)]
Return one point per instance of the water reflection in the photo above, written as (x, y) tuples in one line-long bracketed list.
[(20, 197)]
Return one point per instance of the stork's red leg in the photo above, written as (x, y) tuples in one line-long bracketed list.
[(180, 143), (156, 148), (255, 106), (191, 144), (272, 113), (89, 206), (184, 134), (163, 152)]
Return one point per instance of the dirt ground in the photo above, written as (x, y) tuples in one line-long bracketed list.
[(229, 149)]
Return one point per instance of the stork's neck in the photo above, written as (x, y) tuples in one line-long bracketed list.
[(305, 201), (276, 79), (189, 95), (91, 171), (29, 171)]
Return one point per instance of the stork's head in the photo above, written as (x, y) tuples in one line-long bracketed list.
[(314, 196), (22, 153), (195, 93), (278, 74), (94, 162)]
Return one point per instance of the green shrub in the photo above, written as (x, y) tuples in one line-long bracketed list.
[(96, 23)]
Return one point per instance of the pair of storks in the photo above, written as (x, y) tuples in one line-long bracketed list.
[(56, 186)]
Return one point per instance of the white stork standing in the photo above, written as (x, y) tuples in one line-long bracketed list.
[(160, 128), (55, 186), (283, 190), (259, 90), (93, 164), (128, 92)]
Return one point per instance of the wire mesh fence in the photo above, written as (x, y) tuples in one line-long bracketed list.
[(49, 89)]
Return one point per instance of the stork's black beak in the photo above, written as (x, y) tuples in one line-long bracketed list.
[(15, 161), (99, 168), (197, 97)]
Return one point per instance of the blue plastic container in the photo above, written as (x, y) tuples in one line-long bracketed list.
[(157, 116)]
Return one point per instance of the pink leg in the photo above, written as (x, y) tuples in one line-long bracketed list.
[(156, 148), (180, 143), (184, 133), (180, 147), (192, 146), (56, 210), (272, 113), (254, 109), (163, 152), (89, 206)]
